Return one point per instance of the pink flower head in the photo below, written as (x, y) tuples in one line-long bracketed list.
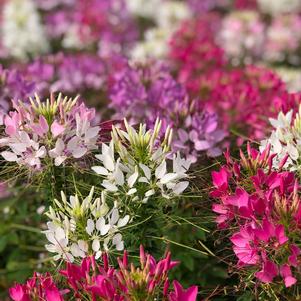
[(61, 129), (39, 287)]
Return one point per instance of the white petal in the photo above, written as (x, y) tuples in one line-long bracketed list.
[(132, 191), (117, 238), (114, 216), (123, 221), (95, 245), (150, 193), (180, 187), (146, 170), (98, 254), (108, 162), (132, 179), (100, 170), (109, 186), (83, 245), (60, 234), (92, 132), (120, 246), (160, 170), (9, 156), (51, 248), (168, 178), (105, 229), (78, 152), (90, 226), (100, 223), (119, 177)]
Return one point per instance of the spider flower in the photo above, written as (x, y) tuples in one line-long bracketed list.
[(285, 139), (167, 16), (242, 36), (278, 7), (283, 30), (143, 92), (81, 228), (54, 131), (195, 39), (22, 33), (244, 98), (126, 282), (260, 207), (134, 166), (39, 287)]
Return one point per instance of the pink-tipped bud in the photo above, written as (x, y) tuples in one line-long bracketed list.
[(105, 261), (166, 287), (125, 259), (167, 262), (142, 256), (283, 161)]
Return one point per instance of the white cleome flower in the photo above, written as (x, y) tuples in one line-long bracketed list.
[(285, 139), (22, 32), (171, 13), (142, 8), (137, 170), (82, 228), (58, 238), (167, 16), (276, 7)]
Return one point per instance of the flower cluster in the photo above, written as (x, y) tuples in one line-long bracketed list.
[(13, 85), (66, 73), (79, 229), (41, 287), (146, 91), (242, 36), (134, 166), (244, 98), (149, 281), (246, 38), (55, 131), (79, 25), (260, 207), (22, 33), (167, 17), (285, 139), (196, 39), (283, 30), (279, 6)]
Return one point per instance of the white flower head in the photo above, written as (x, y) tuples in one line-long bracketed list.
[(82, 228), (22, 31)]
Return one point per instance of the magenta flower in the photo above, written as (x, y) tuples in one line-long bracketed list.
[(241, 97), (92, 281), (39, 287), (264, 205)]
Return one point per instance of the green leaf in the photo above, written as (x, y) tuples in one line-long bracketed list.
[(3, 242)]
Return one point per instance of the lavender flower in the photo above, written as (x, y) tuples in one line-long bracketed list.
[(13, 86), (66, 73), (142, 92)]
